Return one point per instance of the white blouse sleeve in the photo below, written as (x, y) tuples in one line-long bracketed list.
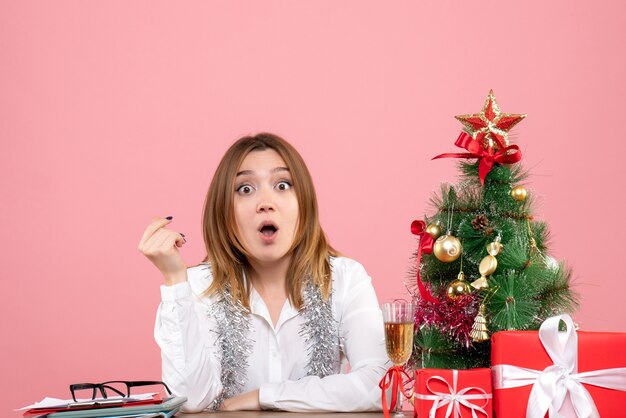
[(361, 331), (183, 331)]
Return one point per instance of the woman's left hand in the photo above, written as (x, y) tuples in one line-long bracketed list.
[(248, 401)]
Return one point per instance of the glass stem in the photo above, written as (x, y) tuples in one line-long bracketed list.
[(398, 409)]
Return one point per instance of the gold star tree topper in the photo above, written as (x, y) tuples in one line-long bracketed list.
[(490, 127)]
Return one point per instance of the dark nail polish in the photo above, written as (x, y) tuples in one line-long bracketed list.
[(169, 218), (181, 234)]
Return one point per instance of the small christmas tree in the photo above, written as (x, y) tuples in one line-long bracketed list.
[(482, 263)]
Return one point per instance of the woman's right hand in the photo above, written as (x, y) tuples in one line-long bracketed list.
[(161, 245)]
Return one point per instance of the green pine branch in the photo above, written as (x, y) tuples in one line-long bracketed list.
[(436, 350), (514, 306)]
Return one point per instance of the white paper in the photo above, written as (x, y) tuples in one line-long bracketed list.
[(59, 403)]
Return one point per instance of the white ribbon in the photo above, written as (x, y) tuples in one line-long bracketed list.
[(551, 386), (454, 399)]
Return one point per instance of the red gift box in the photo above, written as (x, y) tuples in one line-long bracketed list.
[(597, 351), (436, 388)]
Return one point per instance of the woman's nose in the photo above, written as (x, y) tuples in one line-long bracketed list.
[(266, 203), (265, 206)]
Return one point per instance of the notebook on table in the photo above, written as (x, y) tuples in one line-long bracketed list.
[(165, 409)]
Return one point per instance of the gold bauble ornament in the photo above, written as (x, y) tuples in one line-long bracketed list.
[(434, 230), (447, 248), (458, 287), (519, 193)]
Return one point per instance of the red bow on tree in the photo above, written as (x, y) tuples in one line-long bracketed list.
[(425, 246), (486, 156)]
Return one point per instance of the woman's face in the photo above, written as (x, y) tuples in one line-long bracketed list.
[(266, 206)]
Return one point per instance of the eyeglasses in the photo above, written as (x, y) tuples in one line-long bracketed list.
[(118, 387)]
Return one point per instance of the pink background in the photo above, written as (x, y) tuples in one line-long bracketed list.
[(112, 112)]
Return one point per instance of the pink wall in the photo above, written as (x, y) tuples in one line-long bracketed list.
[(112, 112)]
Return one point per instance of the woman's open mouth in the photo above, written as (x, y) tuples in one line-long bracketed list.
[(268, 231)]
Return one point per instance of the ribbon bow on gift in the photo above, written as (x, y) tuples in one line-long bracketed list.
[(454, 399), (486, 156), (551, 386)]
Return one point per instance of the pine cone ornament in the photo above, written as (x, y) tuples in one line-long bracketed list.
[(480, 222)]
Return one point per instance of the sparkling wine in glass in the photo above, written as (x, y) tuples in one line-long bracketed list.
[(399, 319)]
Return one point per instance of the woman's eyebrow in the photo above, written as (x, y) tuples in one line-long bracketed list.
[(249, 172)]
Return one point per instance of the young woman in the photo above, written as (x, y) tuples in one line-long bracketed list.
[(267, 319)]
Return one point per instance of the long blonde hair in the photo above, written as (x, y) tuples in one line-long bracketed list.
[(229, 259)]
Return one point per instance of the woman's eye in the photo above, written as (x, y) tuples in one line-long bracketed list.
[(244, 189), (283, 185)]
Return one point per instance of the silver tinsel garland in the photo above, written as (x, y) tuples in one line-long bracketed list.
[(233, 329), (319, 330)]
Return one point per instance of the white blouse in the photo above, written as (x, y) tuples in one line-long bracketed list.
[(279, 358)]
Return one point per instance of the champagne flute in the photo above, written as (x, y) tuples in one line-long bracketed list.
[(399, 319)]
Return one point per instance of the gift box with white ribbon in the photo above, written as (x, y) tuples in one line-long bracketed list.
[(559, 373), (442, 393)]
